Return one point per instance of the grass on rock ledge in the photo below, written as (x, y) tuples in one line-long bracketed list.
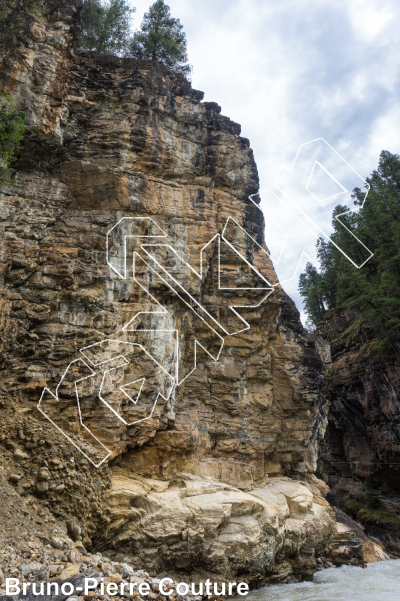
[(367, 515)]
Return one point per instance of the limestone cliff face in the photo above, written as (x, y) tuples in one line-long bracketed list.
[(362, 439), (120, 154)]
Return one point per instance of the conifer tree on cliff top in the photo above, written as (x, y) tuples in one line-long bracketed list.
[(372, 292), (106, 26), (161, 39)]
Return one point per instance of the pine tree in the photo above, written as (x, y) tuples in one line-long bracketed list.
[(105, 26), (373, 291), (310, 289), (161, 39)]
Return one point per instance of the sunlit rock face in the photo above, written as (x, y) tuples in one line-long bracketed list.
[(196, 412)]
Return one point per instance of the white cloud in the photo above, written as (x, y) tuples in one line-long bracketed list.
[(291, 71)]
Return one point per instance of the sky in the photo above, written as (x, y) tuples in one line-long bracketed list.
[(291, 72)]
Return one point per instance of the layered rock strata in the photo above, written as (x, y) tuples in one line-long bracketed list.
[(127, 237), (361, 446)]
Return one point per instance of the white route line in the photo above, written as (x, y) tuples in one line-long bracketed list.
[(197, 309), (269, 286), (337, 216), (162, 311), (96, 364), (133, 344), (55, 396), (331, 176), (142, 380), (307, 217), (142, 219), (196, 341)]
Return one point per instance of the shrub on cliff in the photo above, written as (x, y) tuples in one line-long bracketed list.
[(161, 39), (373, 291), (376, 515), (105, 26), (11, 131)]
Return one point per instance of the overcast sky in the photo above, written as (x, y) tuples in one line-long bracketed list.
[(290, 71)]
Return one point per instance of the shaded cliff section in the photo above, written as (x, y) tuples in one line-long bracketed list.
[(360, 455)]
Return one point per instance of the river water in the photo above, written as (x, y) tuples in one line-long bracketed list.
[(378, 582)]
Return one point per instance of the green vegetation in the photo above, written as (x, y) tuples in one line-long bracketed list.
[(370, 509), (319, 472), (310, 288), (371, 496), (374, 290), (106, 26), (379, 517), (106, 29), (11, 131), (328, 378), (349, 332), (16, 18), (161, 39)]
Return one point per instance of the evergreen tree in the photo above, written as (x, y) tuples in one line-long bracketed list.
[(11, 131), (327, 255), (310, 287), (105, 26), (374, 290), (161, 39)]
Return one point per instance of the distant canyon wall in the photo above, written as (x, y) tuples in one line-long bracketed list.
[(361, 445)]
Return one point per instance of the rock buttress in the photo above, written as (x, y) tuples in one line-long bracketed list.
[(202, 485)]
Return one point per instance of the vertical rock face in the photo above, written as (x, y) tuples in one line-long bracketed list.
[(362, 438), (131, 141), (127, 237)]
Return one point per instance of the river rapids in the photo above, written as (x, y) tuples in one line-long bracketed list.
[(378, 582)]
